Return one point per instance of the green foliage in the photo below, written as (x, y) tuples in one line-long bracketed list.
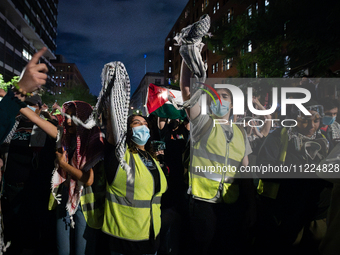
[(175, 84), (5, 85), (288, 37), (75, 92)]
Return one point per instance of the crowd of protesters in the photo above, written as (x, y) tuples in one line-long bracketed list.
[(66, 190)]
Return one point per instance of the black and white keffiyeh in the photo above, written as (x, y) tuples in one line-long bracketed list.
[(190, 40), (113, 105)]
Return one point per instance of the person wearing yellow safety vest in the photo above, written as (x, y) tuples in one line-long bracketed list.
[(132, 215), (220, 204), (289, 202)]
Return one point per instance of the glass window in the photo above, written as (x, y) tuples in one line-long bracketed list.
[(250, 46), (249, 12)]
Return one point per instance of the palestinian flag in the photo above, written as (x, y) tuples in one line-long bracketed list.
[(158, 103)]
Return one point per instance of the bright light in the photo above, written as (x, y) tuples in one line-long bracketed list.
[(131, 107), (164, 94)]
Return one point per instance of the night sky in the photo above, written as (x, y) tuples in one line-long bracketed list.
[(92, 33)]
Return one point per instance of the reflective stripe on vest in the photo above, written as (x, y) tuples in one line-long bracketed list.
[(132, 209), (93, 198), (214, 164), (136, 203)]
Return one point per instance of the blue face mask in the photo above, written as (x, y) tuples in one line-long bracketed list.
[(32, 108), (140, 135), (328, 120), (220, 110)]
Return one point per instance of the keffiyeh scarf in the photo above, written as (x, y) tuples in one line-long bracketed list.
[(88, 151), (113, 105)]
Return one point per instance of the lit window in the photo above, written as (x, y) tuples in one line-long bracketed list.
[(226, 64), (266, 5), (27, 19), (169, 60), (217, 5), (168, 39), (213, 68), (250, 46), (169, 69), (229, 16), (170, 48), (249, 12), (229, 63), (216, 67), (214, 49), (26, 54), (256, 71), (214, 9)]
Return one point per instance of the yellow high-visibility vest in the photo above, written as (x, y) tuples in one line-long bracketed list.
[(132, 209), (93, 198), (213, 164)]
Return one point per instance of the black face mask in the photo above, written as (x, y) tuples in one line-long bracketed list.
[(160, 157), (173, 124)]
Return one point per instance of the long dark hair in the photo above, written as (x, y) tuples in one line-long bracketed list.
[(132, 146)]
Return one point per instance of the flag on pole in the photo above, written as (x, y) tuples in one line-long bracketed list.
[(158, 103)]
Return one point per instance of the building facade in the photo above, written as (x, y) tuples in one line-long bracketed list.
[(66, 75), (26, 27)]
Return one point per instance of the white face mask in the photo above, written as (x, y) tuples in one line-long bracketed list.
[(140, 135), (32, 108), (220, 110)]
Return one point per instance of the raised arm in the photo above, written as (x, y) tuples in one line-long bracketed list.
[(161, 122), (85, 177), (185, 89), (48, 127)]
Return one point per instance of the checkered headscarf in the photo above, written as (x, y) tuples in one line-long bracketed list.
[(89, 150)]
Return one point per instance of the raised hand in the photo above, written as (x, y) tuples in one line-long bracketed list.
[(35, 74)]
